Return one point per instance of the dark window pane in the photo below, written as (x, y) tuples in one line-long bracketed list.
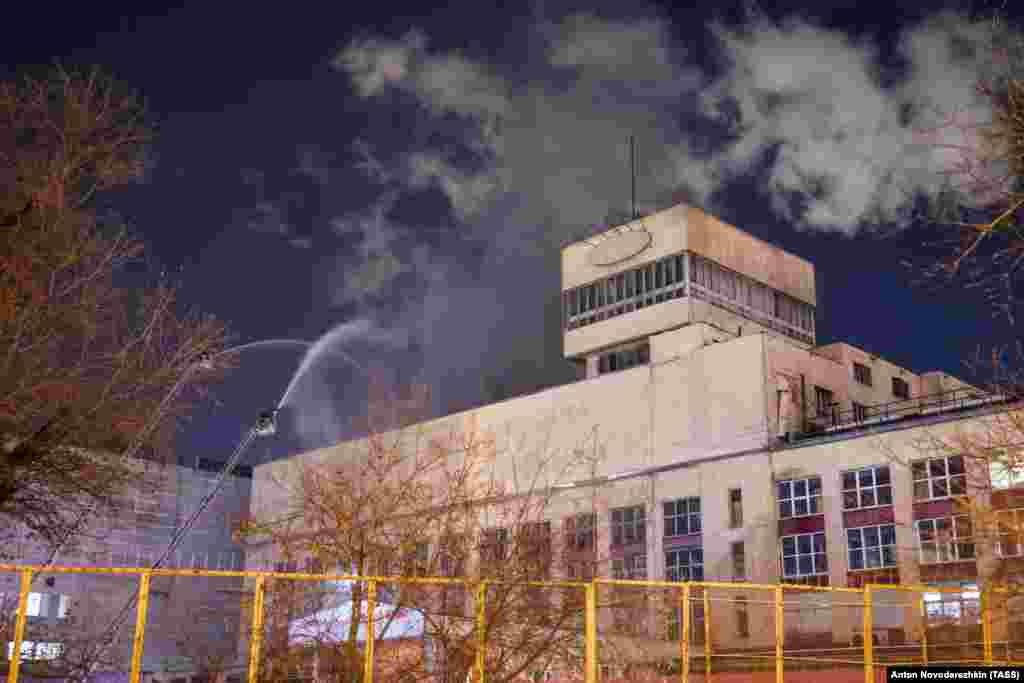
[(694, 505), (921, 490), (873, 557), (820, 563), (856, 560), (814, 486), (695, 524), (882, 475), (803, 544), (785, 490), (888, 535), (871, 537), (850, 500), (966, 551), (867, 498), (937, 467), (853, 539), (885, 495), (939, 488), (956, 464), (788, 546), (889, 556), (866, 477), (958, 485), (786, 509), (849, 481), (806, 564), (789, 566), (819, 543), (800, 488)]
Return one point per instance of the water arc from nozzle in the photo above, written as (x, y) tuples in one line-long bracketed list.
[(321, 347)]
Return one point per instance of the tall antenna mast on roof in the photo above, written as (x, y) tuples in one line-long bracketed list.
[(632, 175)]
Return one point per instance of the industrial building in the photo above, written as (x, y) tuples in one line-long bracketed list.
[(729, 445), (191, 620)]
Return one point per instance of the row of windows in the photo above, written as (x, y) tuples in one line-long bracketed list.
[(751, 298), (867, 487), (666, 278)]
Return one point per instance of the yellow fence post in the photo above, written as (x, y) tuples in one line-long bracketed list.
[(139, 643), (869, 644), (481, 633), (986, 623), (371, 635), (19, 625), (707, 634), (684, 607), (924, 629), (780, 635), (590, 673), (256, 638)]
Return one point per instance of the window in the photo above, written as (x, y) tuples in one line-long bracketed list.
[(959, 607), (860, 412), (900, 388), (684, 564), (804, 559), (867, 487), (872, 547), (735, 508), (580, 532), (623, 359), (946, 539), (1011, 533), (742, 617), (682, 516), (799, 497), (739, 561), (36, 650), (939, 477), (629, 525), (630, 567), (823, 400), (862, 374)]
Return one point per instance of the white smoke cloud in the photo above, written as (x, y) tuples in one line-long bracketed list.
[(808, 114)]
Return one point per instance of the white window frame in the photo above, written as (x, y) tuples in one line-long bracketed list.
[(800, 575), (924, 479), (952, 544), (688, 516), (694, 564), (808, 498), (862, 486), (864, 548)]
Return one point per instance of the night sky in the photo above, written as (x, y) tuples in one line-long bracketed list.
[(412, 174)]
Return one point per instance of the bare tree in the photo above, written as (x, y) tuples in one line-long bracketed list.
[(983, 204), (410, 503), (95, 364)]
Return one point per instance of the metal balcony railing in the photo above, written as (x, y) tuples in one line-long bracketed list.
[(920, 406)]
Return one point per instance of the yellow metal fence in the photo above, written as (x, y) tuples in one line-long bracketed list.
[(716, 630)]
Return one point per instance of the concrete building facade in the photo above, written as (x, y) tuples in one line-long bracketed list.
[(728, 445), (190, 619)]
